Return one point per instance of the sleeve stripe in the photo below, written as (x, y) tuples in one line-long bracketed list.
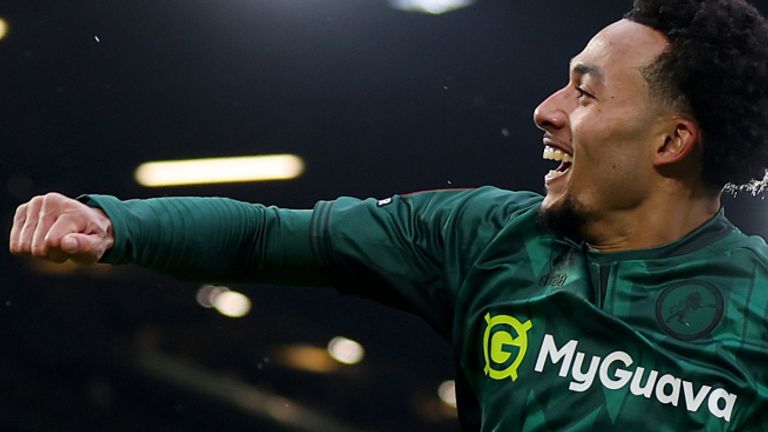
[(320, 234)]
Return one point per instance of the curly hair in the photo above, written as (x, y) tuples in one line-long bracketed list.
[(716, 69)]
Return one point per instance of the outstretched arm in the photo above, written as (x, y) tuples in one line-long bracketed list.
[(211, 239)]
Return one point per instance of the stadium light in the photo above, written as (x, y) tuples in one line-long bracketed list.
[(3, 28), (305, 357), (433, 7), (345, 350), (447, 393), (232, 304), (219, 170)]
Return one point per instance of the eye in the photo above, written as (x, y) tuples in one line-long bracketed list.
[(581, 93)]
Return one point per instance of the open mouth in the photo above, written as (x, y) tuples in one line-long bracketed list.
[(557, 155)]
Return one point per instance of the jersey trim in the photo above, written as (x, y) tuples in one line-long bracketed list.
[(715, 229)]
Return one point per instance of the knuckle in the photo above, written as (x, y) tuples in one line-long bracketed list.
[(51, 197), (21, 210), (54, 198)]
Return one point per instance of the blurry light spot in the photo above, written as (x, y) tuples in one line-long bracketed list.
[(305, 357), (69, 268), (96, 38), (232, 304), (434, 7), (345, 350), (279, 409), (505, 132), (447, 393), (207, 294), (219, 170), (3, 28)]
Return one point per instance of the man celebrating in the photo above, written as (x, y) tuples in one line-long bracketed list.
[(623, 298)]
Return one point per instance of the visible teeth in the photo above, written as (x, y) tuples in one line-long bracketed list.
[(551, 153)]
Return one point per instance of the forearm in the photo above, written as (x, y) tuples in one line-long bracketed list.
[(212, 239)]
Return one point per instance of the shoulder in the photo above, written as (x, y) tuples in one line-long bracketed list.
[(470, 214), (480, 203), (751, 249), (748, 248)]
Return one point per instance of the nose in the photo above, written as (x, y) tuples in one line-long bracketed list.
[(550, 115)]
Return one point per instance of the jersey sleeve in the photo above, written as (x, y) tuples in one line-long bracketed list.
[(212, 239), (412, 251)]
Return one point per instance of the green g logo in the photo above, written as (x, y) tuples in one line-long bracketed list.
[(504, 336)]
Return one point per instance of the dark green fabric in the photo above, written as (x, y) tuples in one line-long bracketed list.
[(549, 335), (212, 239)]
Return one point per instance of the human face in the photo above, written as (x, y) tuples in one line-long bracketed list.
[(604, 125)]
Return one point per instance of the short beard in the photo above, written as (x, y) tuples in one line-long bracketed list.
[(568, 218)]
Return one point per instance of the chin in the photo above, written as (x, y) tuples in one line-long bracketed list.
[(564, 215)]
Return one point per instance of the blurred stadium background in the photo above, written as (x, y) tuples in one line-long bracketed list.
[(375, 96)]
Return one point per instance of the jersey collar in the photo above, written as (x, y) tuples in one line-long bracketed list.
[(711, 231)]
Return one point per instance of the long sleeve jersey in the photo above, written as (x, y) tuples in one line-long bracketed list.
[(548, 334)]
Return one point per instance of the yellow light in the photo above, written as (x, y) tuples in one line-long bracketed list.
[(307, 358), (232, 304), (3, 28), (69, 268), (219, 170), (447, 393), (345, 350)]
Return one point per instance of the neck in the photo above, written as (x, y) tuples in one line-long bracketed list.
[(659, 220)]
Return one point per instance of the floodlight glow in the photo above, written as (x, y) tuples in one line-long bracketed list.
[(307, 358), (345, 350), (232, 304), (219, 170), (207, 294), (3, 28), (447, 393), (433, 7)]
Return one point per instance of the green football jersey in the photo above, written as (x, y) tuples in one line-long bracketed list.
[(549, 334)]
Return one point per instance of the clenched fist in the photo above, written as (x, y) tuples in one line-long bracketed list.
[(58, 228)]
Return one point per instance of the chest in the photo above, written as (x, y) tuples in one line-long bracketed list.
[(549, 337)]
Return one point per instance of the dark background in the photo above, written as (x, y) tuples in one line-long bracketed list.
[(376, 100)]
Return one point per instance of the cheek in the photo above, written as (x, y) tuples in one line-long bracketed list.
[(608, 162), (591, 143), (610, 138)]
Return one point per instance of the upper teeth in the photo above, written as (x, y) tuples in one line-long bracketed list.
[(554, 154)]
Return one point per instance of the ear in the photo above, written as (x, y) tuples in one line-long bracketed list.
[(680, 141)]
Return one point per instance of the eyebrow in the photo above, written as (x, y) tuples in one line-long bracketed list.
[(587, 69)]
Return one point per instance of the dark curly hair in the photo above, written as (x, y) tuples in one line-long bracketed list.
[(716, 69)]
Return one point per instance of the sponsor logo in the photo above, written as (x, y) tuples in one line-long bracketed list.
[(505, 335), (689, 310), (505, 343), (383, 202), (556, 273), (553, 279)]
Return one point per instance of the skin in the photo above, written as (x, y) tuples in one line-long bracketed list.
[(635, 181), (58, 228), (636, 174)]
